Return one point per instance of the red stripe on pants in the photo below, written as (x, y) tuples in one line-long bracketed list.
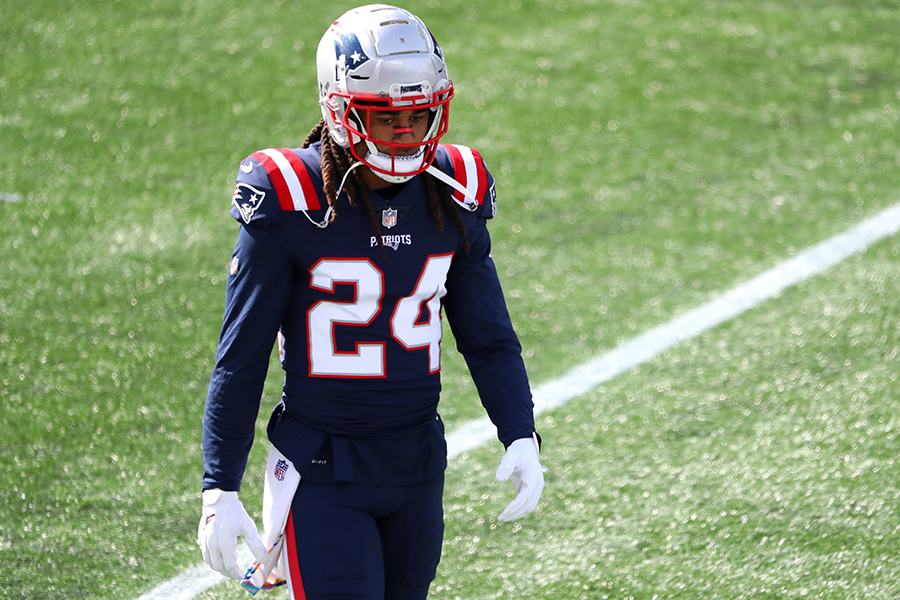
[(296, 581)]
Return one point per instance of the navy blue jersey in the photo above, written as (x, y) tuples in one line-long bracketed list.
[(360, 332)]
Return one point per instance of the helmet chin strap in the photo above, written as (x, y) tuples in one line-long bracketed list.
[(470, 203), (344, 180), (383, 160)]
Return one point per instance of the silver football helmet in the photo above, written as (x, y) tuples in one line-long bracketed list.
[(383, 58)]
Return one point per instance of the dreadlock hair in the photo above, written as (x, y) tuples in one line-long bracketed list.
[(336, 161)]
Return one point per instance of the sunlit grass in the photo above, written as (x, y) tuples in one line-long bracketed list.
[(754, 461), (648, 156)]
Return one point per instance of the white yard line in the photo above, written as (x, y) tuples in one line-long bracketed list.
[(582, 379), (189, 584), (643, 348)]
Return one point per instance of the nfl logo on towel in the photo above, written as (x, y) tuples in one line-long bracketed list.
[(389, 217)]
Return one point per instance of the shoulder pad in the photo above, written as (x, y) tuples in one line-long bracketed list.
[(273, 181), (467, 167)]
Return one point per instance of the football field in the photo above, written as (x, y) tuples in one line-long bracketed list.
[(651, 158)]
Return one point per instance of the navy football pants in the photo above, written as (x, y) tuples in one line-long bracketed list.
[(355, 542)]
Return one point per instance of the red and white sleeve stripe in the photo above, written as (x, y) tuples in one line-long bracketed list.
[(469, 170), (290, 179)]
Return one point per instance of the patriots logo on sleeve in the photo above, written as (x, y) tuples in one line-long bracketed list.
[(247, 199)]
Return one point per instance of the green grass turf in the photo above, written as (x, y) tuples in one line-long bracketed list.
[(648, 156)]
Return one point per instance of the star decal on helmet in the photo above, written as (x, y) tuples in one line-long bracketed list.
[(347, 44)]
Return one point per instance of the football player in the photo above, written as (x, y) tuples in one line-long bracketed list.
[(349, 249)]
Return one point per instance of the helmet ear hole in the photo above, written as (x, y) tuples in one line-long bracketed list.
[(354, 120)]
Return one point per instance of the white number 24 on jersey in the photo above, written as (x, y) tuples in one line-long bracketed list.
[(367, 359)]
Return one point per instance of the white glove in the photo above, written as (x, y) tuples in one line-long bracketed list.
[(222, 521), (521, 464)]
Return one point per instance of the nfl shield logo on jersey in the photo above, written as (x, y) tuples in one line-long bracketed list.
[(389, 217), (281, 468)]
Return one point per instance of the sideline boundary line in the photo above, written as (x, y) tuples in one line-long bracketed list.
[(812, 261)]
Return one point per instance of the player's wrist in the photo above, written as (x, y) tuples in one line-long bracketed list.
[(215, 495)]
